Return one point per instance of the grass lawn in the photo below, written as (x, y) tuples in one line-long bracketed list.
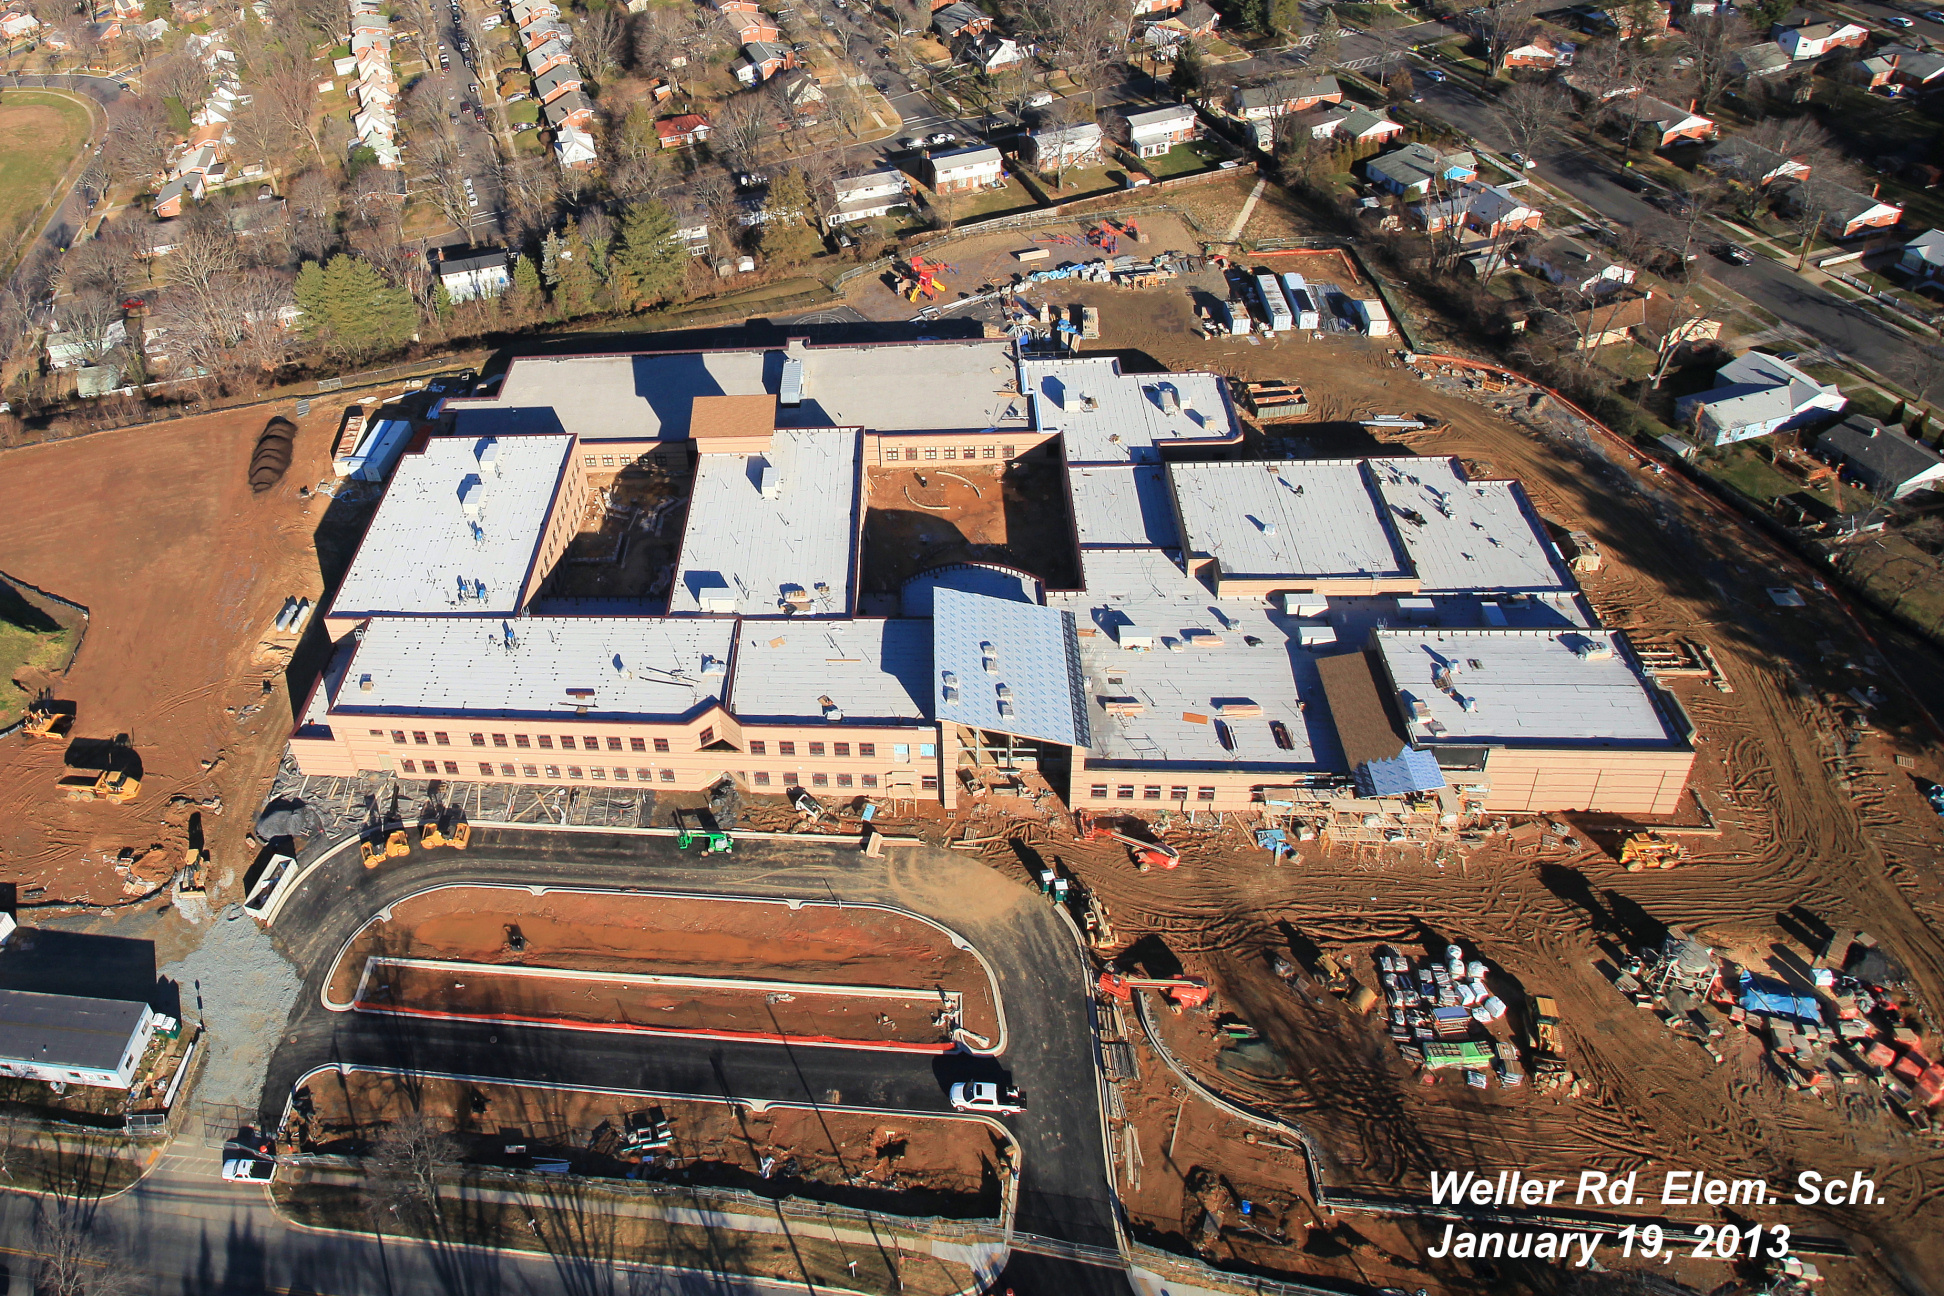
[(1081, 182), (33, 636), (40, 134), (970, 206), (1184, 159), (525, 111), (1749, 473)]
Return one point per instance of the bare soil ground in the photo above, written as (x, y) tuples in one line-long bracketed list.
[(918, 518), (656, 934), (829, 1153), (154, 530), (1816, 816), (628, 539), (478, 992)]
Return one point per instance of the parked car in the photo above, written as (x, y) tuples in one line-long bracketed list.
[(474, 87), (1898, 20), (985, 1096), (943, 137), (1521, 161), (1039, 100), (516, 97), (1934, 15), (1734, 254), (1436, 74), (525, 126), (249, 1169)]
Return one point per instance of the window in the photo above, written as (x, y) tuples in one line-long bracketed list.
[(410, 768), (891, 455), (971, 452), (928, 782), (594, 744), (530, 771), (398, 737), (546, 741), (931, 454), (1125, 792), (762, 778), (377, 733), (988, 452), (1006, 451), (869, 780), (587, 461), (638, 744), (486, 768), (661, 744), (786, 748), (521, 740), (840, 749), (927, 750), (1150, 794), (553, 771), (1177, 794), (820, 780), (506, 771), (566, 742), (867, 750), (901, 752), (607, 461), (1204, 794), (614, 744), (642, 775), (620, 775), (951, 453), (452, 767), (573, 771), (599, 773), (1099, 791), (757, 747), (668, 776), (499, 740), (843, 780), (443, 739), (816, 749), (704, 738)]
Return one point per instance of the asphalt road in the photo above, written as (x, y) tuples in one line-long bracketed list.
[(1772, 285), (1063, 1193)]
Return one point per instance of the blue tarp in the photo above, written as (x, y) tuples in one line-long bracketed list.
[(1408, 771), (1760, 995)]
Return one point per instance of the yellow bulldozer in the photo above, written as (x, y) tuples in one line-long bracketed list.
[(1644, 850), (43, 721), (118, 786)]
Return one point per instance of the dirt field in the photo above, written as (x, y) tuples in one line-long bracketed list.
[(919, 518), (1816, 815), (655, 934), (940, 1165), (628, 538), (478, 992), (182, 569)]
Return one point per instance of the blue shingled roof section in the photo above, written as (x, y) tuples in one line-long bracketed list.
[(1408, 771)]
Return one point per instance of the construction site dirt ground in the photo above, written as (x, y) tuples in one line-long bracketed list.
[(155, 531), (628, 538), (599, 932), (947, 1166), (1015, 514), (1816, 814)]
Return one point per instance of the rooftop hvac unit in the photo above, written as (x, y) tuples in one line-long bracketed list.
[(364, 683), (472, 497), (714, 666), (1135, 638), (1005, 708), (770, 481), (1594, 649), (487, 455), (792, 393), (948, 686), (715, 597), (989, 657)]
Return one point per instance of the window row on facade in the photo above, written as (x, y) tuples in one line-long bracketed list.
[(1148, 792), (624, 774), (892, 454), (613, 743)]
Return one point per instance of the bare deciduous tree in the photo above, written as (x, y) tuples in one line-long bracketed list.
[(1501, 28), (601, 40), (408, 1161), (287, 83), (741, 125), (1713, 42), (1531, 115), (1081, 37)]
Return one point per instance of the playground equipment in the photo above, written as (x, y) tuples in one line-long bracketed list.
[(921, 279)]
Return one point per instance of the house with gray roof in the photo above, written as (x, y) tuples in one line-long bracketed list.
[(1756, 394), (1413, 169), (1923, 256), (1883, 460)]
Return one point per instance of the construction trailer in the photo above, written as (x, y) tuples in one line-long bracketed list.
[(1275, 306), (1372, 316), (1302, 302)]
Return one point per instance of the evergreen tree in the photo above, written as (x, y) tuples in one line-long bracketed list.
[(1190, 72), (550, 249), (526, 298), (1285, 17), (441, 301), (576, 283), (350, 309), (1329, 38), (650, 254)]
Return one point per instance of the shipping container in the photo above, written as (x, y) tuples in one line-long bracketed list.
[(1275, 307), (1302, 303)]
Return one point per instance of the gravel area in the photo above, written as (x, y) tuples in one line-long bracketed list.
[(243, 990)]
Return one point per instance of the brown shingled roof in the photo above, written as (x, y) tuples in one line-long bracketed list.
[(1367, 724), (732, 416)]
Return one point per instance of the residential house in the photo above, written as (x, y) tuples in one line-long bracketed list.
[(1412, 170), (691, 226), (1751, 163), (869, 194), (988, 52), (1923, 256), (803, 95), (1366, 126), (571, 109), (1853, 213), (1194, 21), (555, 82), (1589, 88), (961, 18), (71, 350), (157, 238), (101, 33), (762, 60), (1874, 72), (574, 148), (1541, 52), (1882, 460), (752, 26), (960, 170), (1618, 19), (1806, 36), (1765, 59), (256, 219), (1288, 95), (153, 31), (1753, 395), (680, 132), (1570, 264), (1914, 67), (541, 30), (1603, 325), (1667, 124), (1156, 8), (1667, 323), (1484, 211), (470, 275), (18, 25), (546, 57), (1064, 147), (1154, 132)]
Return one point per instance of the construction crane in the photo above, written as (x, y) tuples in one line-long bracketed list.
[(1184, 992), (1146, 854)]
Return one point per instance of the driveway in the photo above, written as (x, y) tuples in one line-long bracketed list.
[(1043, 981)]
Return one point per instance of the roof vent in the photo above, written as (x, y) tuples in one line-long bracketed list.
[(714, 666), (989, 655), (364, 683)]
